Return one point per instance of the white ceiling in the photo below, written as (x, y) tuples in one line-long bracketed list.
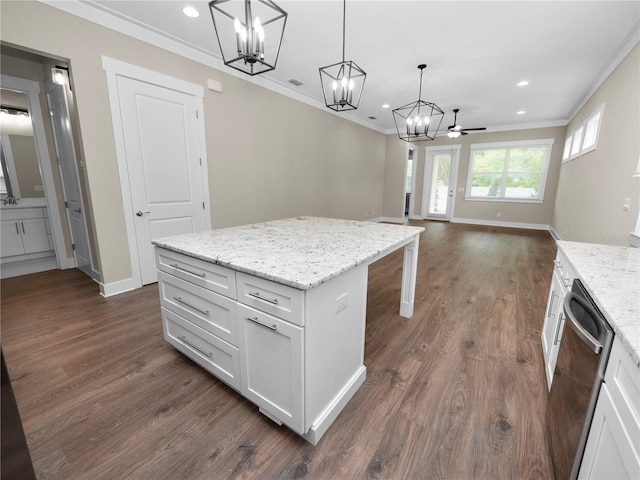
[(476, 52)]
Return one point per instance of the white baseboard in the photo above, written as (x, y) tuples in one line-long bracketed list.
[(554, 234), (392, 219), (495, 223), (25, 267), (115, 288)]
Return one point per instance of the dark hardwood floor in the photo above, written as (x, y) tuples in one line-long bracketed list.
[(456, 392)]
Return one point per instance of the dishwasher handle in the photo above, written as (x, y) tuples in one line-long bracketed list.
[(582, 333)]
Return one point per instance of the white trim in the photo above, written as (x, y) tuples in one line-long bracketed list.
[(104, 17), (115, 288), (574, 138), (27, 266), (554, 234), (597, 112), (628, 44), (495, 223), (114, 68), (32, 89), (426, 191), (392, 219), (516, 143), (10, 164), (414, 167)]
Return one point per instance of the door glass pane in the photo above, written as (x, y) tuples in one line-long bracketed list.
[(440, 179)]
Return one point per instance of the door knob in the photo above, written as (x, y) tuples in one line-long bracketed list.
[(140, 213)]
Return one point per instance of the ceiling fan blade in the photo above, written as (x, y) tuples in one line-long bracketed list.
[(463, 133), (470, 129)]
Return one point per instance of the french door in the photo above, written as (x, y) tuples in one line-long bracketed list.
[(440, 174)]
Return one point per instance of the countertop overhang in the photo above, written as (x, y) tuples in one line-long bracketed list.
[(301, 252), (611, 275)]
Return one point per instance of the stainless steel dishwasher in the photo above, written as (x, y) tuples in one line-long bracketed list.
[(584, 351)]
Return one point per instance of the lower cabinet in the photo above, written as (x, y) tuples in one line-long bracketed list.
[(612, 451), (24, 236), (296, 354), (554, 320), (271, 359)]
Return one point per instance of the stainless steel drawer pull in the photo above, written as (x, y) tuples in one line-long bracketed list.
[(184, 339), (556, 338), (179, 300), (178, 267), (273, 301), (255, 320)]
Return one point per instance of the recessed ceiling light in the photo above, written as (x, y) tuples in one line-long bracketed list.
[(521, 112), (191, 12), (523, 83), (386, 105)]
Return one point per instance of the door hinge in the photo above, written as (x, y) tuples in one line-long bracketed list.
[(197, 114), (66, 205), (73, 247), (203, 205), (200, 161)]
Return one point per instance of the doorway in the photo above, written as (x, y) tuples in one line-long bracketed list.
[(440, 180), (161, 155)]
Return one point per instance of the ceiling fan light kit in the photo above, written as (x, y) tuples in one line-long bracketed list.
[(420, 120), (455, 130), (343, 82), (249, 33)]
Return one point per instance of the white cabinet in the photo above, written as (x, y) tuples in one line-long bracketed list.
[(272, 362), (297, 354), (613, 446), (554, 320), (24, 231)]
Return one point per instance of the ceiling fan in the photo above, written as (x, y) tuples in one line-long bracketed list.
[(456, 130)]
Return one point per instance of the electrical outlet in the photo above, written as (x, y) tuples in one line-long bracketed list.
[(341, 302), (626, 205), (499, 214)]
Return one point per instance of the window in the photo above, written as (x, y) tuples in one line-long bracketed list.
[(592, 129), (509, 171), (408, 177), (583, 139)]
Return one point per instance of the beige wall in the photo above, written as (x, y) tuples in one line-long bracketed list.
[(593, 187), (269, 156), (512, 213)]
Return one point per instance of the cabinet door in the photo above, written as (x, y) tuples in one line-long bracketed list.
[(271, 359), (609, 452), (553, 326), (34, 235), (11, 238)]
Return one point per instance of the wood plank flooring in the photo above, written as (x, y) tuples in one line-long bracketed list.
[(456, 392)]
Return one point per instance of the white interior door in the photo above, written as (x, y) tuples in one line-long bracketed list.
[(68, 166), (162, 150), (441, 170)]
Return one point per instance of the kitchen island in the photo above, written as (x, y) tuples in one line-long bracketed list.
[(277, 310)]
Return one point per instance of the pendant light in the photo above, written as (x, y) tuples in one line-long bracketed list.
[(343, 82), (249, 33), (418, 121)]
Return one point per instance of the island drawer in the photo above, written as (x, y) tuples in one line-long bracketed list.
[(274, 298), (214, 355), (213, 277), (210, 311)]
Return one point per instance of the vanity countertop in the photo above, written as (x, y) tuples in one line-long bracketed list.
[(300, 252), (611, 275), (25, 203)]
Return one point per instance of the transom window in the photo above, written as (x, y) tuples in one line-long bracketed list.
[(509, 171)]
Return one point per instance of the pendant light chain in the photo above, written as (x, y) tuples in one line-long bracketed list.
[(344, 22)]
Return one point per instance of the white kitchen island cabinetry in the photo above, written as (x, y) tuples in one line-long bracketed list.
[(299, 295)]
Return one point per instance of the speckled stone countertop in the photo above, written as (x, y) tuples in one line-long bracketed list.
[(611, 275), (300, 252)]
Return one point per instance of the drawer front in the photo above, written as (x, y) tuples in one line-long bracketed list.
[(623, 381), (22, 213), (564, 270), (271, 297), (208, 310), (204, 274), (208, 351)]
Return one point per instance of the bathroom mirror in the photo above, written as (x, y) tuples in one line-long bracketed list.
[(21, 178)]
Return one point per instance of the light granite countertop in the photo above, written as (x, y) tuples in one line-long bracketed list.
[(611, 275), (300, 252)]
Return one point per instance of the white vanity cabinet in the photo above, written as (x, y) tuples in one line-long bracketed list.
[(24, 231), (554, 320), (613, 446)]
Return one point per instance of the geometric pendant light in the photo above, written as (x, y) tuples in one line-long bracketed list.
[(343, 82), (249, 33), (420, 120)]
